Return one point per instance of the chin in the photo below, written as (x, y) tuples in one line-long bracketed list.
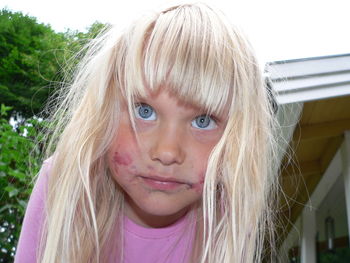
[(168, 212), (162, 208), (162, 205)]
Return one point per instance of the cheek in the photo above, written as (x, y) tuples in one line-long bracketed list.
[(123, 152), (200, 151), (122, 159), (122, 162), (199, 166), (199, 162)]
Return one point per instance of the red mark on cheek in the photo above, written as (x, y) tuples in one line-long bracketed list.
[(122, 159)]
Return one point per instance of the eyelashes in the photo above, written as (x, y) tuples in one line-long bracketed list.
[(204, 122), (146, 112)]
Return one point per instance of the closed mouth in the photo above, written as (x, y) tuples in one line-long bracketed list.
[(164, 183), (164, 179)]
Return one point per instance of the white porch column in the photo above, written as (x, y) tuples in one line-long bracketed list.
[(308, 239), (345, 154)]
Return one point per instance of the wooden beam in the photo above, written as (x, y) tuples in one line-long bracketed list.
[(305, 189), (287, 217), (321, 130), (304, 195), (305, 168), (331, 149), (311, 180)]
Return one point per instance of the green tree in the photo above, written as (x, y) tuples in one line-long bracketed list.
[(33, 58), (19, 162), (30, 57)]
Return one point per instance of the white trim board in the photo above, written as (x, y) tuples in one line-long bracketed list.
[(309, 79)]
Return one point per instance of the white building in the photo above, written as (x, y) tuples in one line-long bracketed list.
[(314, 98)]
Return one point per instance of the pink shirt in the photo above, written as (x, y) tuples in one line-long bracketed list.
[(158, 245), (171, 244)]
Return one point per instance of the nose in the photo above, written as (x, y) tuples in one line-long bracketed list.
[(168, 147)]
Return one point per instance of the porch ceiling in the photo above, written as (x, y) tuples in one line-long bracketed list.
[(316, 139)]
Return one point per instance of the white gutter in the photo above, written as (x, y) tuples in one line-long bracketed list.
[(309, 79)]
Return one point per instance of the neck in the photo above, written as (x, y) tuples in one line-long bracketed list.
[(145, 219)]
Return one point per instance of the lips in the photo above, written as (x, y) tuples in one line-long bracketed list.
[(164, 184)]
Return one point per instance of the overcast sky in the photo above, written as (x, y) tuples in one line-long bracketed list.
[(278, 29)]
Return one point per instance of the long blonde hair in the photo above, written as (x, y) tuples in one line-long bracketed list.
[(194, 51)]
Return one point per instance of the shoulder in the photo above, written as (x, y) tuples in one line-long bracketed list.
[(34, 217), (41, 184)]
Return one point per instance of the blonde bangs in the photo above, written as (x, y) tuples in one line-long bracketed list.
[(186, 49)]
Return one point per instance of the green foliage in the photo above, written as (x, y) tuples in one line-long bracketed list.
[(19, 162), (340, 255), (32, 58)]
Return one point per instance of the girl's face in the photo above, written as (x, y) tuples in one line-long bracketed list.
[(163, 174)]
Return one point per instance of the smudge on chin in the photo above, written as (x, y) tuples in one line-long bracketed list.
[(201, 177), (198, 187), (133, 169), (122, 159), (151, 168)]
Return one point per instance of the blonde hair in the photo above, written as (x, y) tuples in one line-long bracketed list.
[(196, 53)]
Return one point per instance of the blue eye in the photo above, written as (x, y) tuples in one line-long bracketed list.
[(204, 122), (145, 112)]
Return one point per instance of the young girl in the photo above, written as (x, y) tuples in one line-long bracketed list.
[(163, 150)]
